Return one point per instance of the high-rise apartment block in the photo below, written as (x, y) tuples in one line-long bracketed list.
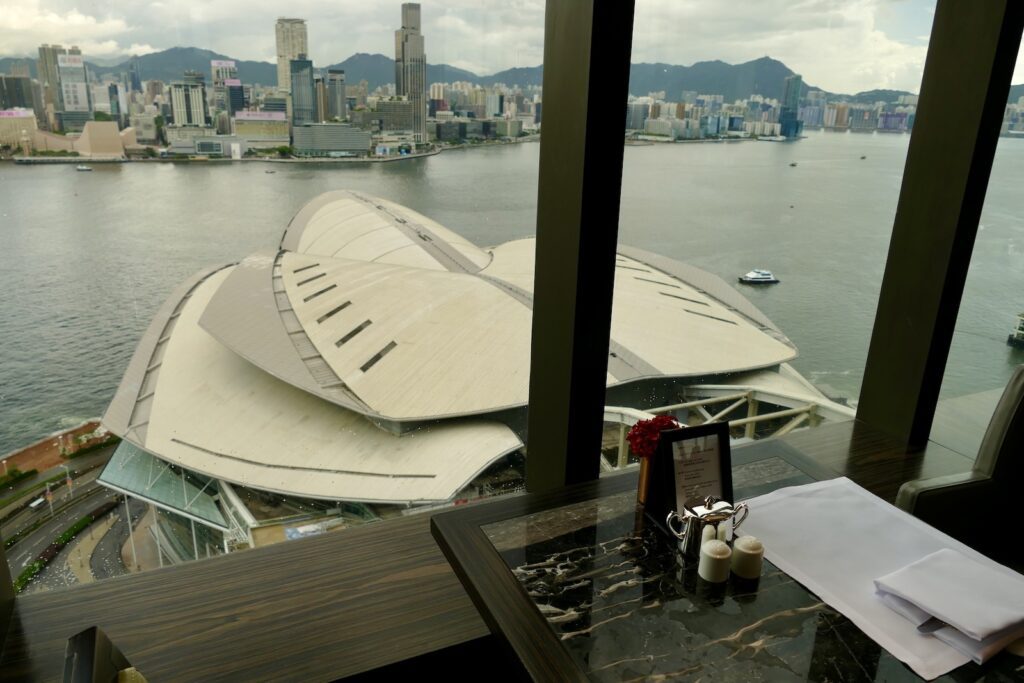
[(291, 42), (303, 90), (411, 68), (188, 100)]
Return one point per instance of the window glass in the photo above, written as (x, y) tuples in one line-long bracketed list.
[(278, 275), (764, 154)]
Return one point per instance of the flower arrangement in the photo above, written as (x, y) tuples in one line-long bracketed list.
[(643, 441), (643, 436)]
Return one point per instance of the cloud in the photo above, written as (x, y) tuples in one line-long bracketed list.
[(838, 45)]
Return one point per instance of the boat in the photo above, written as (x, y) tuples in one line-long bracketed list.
[(270, 171), (83, 167), (1016, 338), (792, 163), (863, 157), (759, 276)]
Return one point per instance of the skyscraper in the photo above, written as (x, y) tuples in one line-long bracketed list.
[(74, 82), (789, 114), (291, 42), (48, 74), (134, 75), (337, 102), (411, 67), (303, 90), (188, 100)]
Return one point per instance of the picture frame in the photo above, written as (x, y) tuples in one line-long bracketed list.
[(673, 483)]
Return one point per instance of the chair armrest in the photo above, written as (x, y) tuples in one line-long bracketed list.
[(911, 491)]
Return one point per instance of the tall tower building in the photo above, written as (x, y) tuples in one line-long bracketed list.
[(411, 68), (789, 113), (291, 42), (48, 74), (188, 100), (303, 88), (134, 75), (74, 82), (337, 101)]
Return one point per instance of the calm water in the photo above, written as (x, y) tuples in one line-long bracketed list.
[(88, 257)]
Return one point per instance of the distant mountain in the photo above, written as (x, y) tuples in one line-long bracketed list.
[(170, 65), (377, 70)]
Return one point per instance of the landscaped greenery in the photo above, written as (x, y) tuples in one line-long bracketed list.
[(58, 544), (54, 153), (14, 475)]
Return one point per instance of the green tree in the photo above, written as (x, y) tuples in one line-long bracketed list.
[(101, 116)]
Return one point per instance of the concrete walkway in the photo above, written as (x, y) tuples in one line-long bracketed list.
[(145, 546), (81, 550)]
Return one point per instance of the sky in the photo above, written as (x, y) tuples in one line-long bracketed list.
[(838, 45)]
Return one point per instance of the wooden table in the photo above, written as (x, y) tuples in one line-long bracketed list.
[(618, 605)]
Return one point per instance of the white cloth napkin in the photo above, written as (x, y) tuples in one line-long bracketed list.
[(982, 605), (836, 539)]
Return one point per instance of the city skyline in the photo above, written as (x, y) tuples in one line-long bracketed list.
[(839, 46)]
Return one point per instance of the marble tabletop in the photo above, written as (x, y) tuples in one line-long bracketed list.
[(626, 607)]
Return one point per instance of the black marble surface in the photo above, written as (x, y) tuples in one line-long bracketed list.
[(627, 608)]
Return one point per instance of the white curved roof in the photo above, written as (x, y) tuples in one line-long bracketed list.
[(378, 309), (215, 413)]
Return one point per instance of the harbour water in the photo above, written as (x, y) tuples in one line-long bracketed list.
[(88, 257)]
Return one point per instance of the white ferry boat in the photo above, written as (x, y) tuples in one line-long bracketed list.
[(759, 276), (83, 167), (1016, 337)]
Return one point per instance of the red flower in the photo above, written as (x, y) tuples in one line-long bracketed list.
[(643, 436)]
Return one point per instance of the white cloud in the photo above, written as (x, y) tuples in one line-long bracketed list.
[(839, 45)]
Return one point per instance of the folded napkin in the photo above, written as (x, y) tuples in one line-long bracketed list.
[(981, 605)]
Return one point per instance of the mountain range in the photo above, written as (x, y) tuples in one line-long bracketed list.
[(762, 76)]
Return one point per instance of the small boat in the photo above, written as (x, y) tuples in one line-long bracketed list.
[(759, 276), (792, 163), (83, 167), (1016, 338), (863, 157), (270, 171)]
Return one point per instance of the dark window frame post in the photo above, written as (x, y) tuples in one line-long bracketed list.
[(971, 56), (587, 49)]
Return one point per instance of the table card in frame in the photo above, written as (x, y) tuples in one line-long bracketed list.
[(689, 465)]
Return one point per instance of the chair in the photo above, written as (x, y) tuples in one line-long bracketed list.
[(982, 508)]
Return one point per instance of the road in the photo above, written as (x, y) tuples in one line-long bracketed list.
[(106, 559), (24, 552)]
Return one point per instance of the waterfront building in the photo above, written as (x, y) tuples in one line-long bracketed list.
[(411, 68), (789, 114), (72, 121), (145, 128), (330, 139), (262, 129), (863, 119), (394, 115), (337, 100), (303, 91), (188, 101), (636, 114), (351, 363), (291, 42), (17, 128)]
